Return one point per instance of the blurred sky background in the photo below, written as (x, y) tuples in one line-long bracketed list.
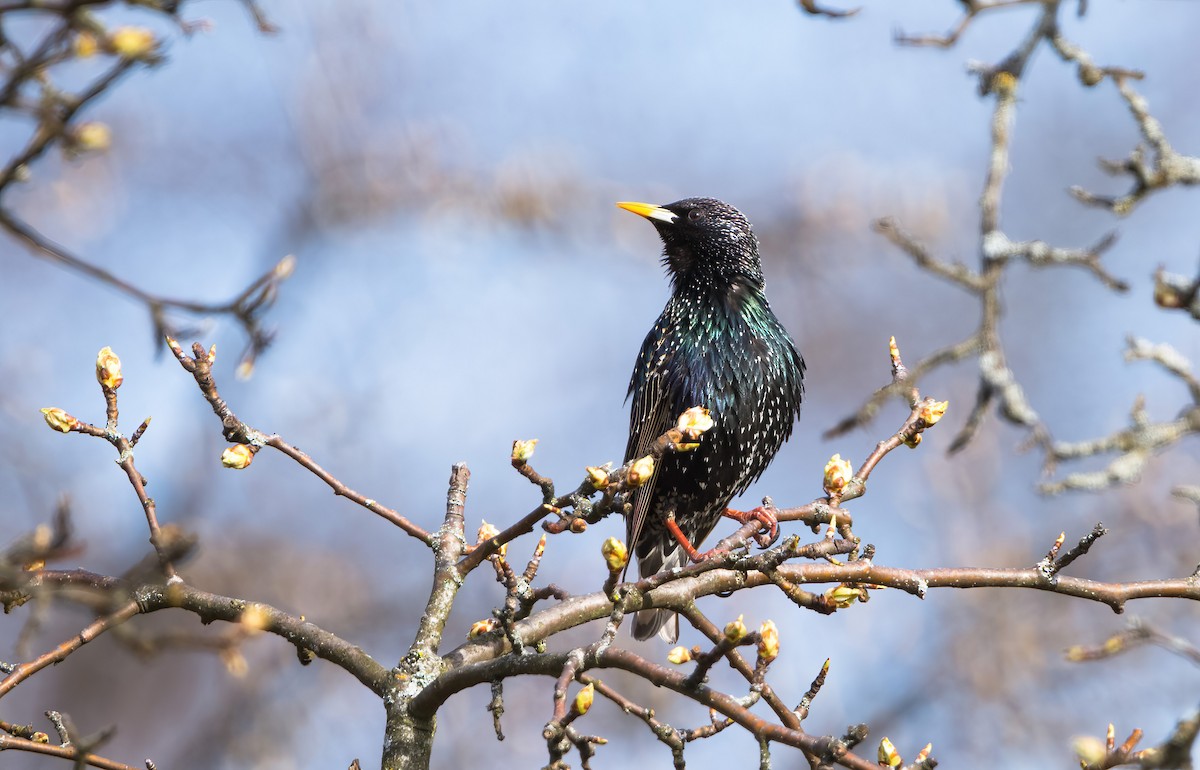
[(445, 175)]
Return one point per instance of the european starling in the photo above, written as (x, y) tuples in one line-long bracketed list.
[(717, 345)]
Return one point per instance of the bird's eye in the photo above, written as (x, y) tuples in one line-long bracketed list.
[(695, 215)]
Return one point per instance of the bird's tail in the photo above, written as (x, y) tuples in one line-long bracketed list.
[(665, 623)]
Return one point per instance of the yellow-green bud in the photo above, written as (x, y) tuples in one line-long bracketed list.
[(842, 596), (597, 476), (641, 471), (679, 655), (481, 627), (888, 756), (238, 457), (59, 420), (285, 267), (694, 422), (92, 136), (932, 411), (735, 631), (838, 473), (487, 532), (132, 42), (583, 699), (1089, 749), (523, 450), (768, 642), (108, 369), (616, 555), (85, 45)]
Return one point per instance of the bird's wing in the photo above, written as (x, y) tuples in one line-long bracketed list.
[(651, 415)]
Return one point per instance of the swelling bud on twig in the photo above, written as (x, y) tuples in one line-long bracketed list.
[(285, 267), (238, 457), (481, 627), (487, 532), (59, 420), (616, 555), (888, 756), (924, 753), (838, 473), (597, 476), (85, 45), (1089, 749), (92, 136), (736, 630), (768, 641), (694, 422), (583, 699), (108, 369), (932, 411), (842, 596), (641, 471), (523, 450), (679, 655), (132, 42)]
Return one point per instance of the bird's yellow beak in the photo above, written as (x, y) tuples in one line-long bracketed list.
[(649, 211)]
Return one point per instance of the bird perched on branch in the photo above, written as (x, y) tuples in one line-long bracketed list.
[(717, 345)]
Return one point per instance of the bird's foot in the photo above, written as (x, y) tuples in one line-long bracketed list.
[(763, 515)]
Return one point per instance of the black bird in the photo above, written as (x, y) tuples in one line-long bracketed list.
[(718, 345)]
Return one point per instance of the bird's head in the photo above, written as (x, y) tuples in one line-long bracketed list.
[(705, 242)]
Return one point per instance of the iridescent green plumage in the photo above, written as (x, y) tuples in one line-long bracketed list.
[(718, 345)]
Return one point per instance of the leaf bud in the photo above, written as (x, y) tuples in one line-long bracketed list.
[(694, 422), (679, 655), (735, 631), (238, 457), (616, 555), (583, 699), (888, 756), (108, 369), (641, 471), (59, 420), (838, 473), (523, 450), (768, 642)]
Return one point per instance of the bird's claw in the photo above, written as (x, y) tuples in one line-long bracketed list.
[(763, 515)]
